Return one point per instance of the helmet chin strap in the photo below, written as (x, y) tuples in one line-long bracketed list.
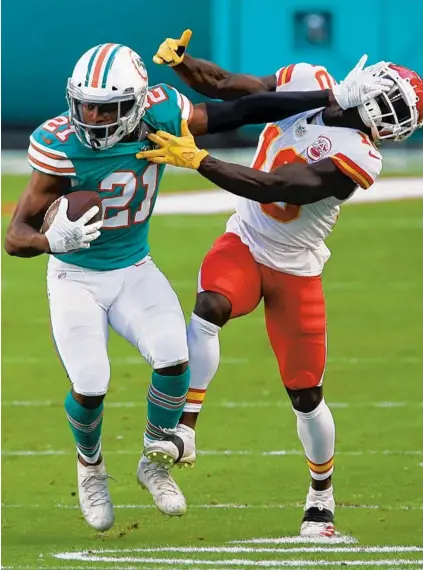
[(94, 142)]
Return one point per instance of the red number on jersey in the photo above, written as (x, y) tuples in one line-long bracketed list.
[(288, 212), (324, 80), (156, 95)]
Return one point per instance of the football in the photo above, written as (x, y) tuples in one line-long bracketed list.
[(79, 203)]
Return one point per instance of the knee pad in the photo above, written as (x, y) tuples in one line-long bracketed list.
[(306, 400), (91, 378), (168, 347)]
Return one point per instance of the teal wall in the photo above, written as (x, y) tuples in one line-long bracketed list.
[(42, 40), (258, 36)]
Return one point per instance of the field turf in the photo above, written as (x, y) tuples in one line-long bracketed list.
[(238, 490)]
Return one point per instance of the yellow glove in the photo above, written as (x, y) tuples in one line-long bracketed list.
[(178, 151), (171, 52)]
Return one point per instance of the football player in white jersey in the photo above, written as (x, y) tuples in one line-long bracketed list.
[(274, 248)]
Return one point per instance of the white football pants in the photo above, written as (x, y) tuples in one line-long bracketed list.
[(138, 303)]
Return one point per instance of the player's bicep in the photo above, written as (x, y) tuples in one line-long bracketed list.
[(41, 191)]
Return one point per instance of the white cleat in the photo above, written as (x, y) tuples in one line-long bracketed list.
[(187, 435), (155, 477), (176, 447), (94, 497), (319, 514), (163, 451)]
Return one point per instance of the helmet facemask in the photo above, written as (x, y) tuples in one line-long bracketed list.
[(130, 109), (392, 115)]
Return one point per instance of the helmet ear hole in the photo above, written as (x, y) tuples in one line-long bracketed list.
[(114, 88)]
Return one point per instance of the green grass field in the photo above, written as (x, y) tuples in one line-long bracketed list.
[(236, 492)]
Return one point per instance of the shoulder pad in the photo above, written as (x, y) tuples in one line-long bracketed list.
[(166, 107), (303, 77)]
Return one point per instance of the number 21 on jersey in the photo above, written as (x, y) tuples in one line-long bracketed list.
[(130, 185), (283, 213)]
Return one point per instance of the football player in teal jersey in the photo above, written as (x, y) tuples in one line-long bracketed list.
[(101, 273)]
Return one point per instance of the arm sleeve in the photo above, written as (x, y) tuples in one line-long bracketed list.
[(262, 108)]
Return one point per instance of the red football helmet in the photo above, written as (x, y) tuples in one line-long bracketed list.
[(395, 114)]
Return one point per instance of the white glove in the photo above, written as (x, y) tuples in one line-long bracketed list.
[(64, 235), (360, 85)]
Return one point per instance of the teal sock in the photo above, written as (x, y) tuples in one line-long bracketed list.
[(85, 424), (165, 403)]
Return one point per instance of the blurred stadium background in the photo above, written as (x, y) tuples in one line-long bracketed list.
[(251, 479), (250, 36)]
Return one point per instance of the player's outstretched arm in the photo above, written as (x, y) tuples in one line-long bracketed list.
[(220, 116), (23, 237), (259, 108), (294, 183), (210, 80), (359, 87), (206, 77)]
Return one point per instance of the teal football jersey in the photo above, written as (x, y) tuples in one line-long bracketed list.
[(128, 187)]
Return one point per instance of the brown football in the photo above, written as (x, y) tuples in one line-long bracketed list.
[(79, 203)]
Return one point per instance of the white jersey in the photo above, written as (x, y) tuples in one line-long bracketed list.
[(287, 237)]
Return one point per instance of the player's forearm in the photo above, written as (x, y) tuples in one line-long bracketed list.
[(24, 241), (263, 108), (296, 185), (212, 81)]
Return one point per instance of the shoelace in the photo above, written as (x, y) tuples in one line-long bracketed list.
[(317, 504), (160, 477), (97, 491)]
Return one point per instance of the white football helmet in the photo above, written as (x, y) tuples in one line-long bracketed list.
[(107, 73), (398, 113)]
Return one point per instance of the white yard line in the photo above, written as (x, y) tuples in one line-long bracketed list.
[(92, 567), (231, 506), (251, 550), (216, 452), (81, 556)]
